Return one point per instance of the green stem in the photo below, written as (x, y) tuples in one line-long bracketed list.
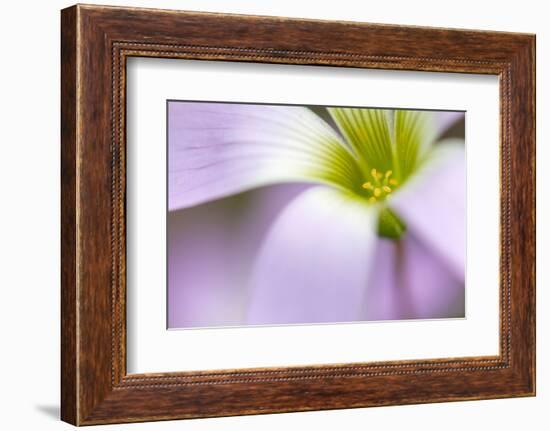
[(390, 225)]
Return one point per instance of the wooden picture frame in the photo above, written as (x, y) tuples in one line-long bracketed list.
[(96, 41)]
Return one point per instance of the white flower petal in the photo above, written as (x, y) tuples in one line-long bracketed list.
[(315, 261), (433, 204)]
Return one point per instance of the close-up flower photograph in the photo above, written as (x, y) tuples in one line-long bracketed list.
[(300, 214)]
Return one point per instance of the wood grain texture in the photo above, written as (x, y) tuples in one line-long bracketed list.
[(96, 41), (68, 218)]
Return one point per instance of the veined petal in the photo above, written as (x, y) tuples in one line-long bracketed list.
[(314, 263), (368, 134), (410, 281), (433, 204), (219, 149), (387, 139), (415, 133)]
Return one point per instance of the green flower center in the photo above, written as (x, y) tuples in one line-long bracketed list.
[(387, 147), (376, 190)]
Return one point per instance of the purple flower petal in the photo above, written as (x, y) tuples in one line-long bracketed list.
[(211, 251), (409, 281), (219, 149), (314, 263), (433, 205)]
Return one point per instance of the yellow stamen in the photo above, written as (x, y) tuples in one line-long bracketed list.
[(367, 185), (380, 186), (374, 173)]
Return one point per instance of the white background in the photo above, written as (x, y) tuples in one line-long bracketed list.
[(29, 228), (152, 349)]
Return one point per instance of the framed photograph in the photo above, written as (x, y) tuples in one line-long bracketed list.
[(263, 214)]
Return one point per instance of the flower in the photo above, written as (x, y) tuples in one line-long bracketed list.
[(378, 234)]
